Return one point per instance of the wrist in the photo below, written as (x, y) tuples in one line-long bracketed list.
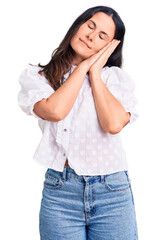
[(94, 71), (84, 65)]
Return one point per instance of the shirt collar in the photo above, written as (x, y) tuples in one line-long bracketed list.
[(74, 66)]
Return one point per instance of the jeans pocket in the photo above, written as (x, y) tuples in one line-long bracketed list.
[(53, 179), (117, 181)]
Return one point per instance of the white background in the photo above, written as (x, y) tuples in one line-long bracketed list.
[(30, 31)]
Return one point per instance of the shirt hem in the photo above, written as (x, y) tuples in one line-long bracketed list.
[(46, 165)]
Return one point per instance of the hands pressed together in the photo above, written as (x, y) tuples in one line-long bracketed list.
[(96, 62), (112, 115)]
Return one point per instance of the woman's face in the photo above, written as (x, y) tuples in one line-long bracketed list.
[(92, 36)]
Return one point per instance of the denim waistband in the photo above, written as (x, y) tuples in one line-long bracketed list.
[(68, 172)]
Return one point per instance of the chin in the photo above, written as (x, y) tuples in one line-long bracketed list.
[(81, 56)]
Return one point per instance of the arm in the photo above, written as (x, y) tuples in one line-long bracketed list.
[(111, 114), (59, 104)]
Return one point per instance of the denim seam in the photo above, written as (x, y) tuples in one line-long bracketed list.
[(119, 189), (114, 190), (52, 186), (53, 178)]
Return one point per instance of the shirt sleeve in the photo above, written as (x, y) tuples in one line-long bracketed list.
[(122, 87), (34, 88)]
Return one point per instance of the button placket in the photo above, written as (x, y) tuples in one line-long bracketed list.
[(65, 130)]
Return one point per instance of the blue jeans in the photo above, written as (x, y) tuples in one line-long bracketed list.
[(75, 207)]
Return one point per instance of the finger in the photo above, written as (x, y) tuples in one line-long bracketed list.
[(100, 52), (113, 43), (107, 53), (109, 46), (106, 47), (104, 53), (110, 49)]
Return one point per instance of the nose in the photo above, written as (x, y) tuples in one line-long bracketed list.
[(91, 36)]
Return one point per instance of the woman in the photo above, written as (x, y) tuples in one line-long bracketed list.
[(83, 99)]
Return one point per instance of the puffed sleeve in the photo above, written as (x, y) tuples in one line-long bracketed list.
[(34, 88), (122, 87)]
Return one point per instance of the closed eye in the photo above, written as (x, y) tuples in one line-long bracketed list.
[(99, 35), (90, 27)]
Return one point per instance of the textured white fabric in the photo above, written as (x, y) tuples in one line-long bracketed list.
[(79, 137)]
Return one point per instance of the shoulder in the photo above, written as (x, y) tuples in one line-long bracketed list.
[(113, 71), (31, 69), (117, 76), (31, 73)]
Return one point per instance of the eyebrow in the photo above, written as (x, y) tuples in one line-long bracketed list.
[(95, 26)]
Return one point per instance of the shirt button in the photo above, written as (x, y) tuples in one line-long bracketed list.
[(65, 129), (64, 154)]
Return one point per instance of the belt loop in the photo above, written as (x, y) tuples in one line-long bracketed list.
[(127, 175), (64, 173), (102, 178)]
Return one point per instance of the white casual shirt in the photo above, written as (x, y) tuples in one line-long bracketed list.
[(79, 137)]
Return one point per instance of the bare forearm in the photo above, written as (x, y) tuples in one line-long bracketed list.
[(111, 114), (64, 98)]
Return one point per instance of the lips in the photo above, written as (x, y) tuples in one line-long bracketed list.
[(84, 42)]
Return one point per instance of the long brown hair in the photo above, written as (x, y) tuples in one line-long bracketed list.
[(62, 57)]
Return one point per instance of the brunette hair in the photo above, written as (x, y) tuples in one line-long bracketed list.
[(62, 57)]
